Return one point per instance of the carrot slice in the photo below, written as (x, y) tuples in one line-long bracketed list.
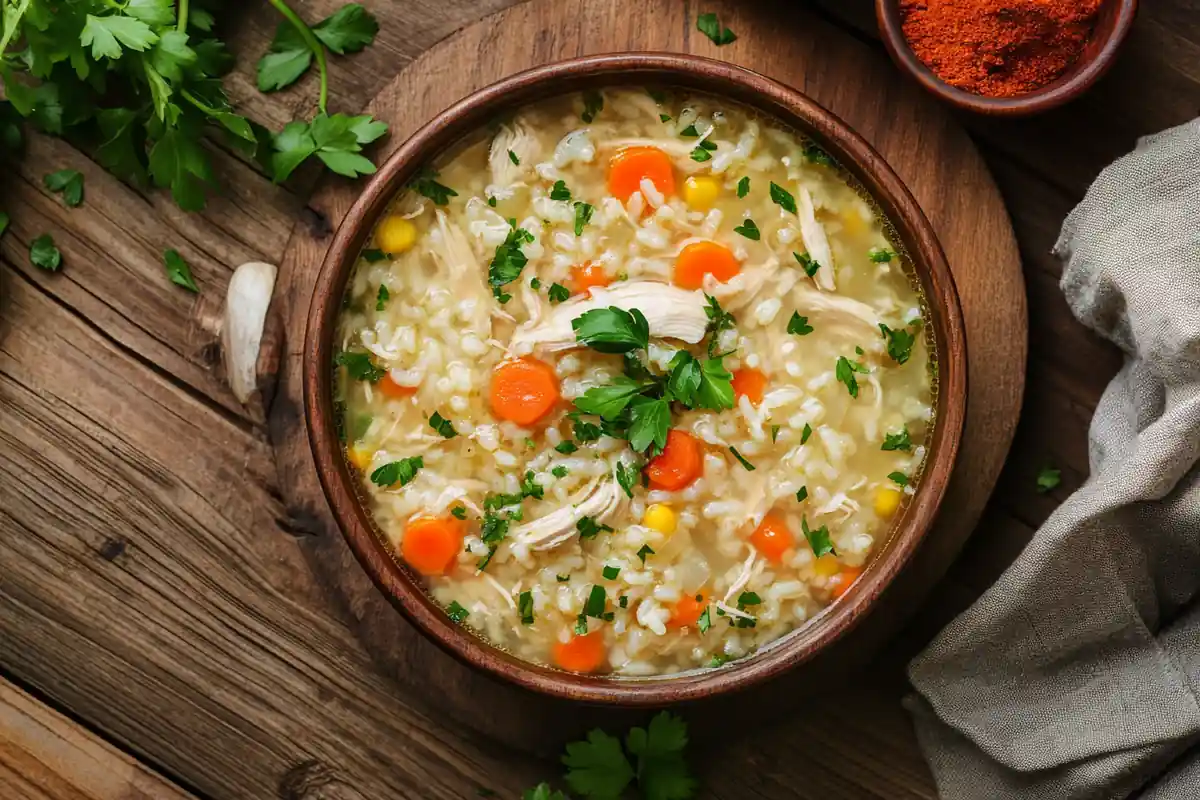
[(704, 258), (394, 390), (840, 584), (587, 275), (773, 538), (687, 611), (581, 653), (524, 390), (678, 465), (749, 382), (431, 544), (630, 165)]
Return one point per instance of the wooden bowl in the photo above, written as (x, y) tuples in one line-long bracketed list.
[(913, 231), (1112, 26)]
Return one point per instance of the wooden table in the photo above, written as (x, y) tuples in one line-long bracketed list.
[(153, 588)]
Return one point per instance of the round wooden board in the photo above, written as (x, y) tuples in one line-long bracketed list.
[(917, 137)]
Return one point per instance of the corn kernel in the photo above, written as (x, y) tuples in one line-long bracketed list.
[(360, 456), (661, 518), (396, 235), (887, 501), (700, 192), (827, 566)]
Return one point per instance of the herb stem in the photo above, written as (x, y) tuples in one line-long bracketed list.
[(197, 102), (314, 45), (182, 24), (14, 21)]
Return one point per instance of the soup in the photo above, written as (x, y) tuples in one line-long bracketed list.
[(636, 382)]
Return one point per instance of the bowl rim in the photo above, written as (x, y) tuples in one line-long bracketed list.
[(1054, 94), (641, 69)]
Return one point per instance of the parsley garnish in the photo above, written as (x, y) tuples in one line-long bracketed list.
[(898, 478), (802, 494), (44, 254), (442, 426), (782, 198), (646, 550), (597, 600), (702, 153), (586, 431), (530, 487), (710, 26), (456, 612), (612, 330), (559, 191), (593, 103), (402, 472), (818, 540), (807, 263), (513, 158), (492, 201), (583, 215), (562, 578), (588, 528), (1048, 478), (718, 320), (742, 459), (359, 366), (558, 293), (748, 229), (382, 297), (69, 182), (774, 433), (525, 603), (899, 343), (845, 374), (807, 432), (664, 117), (373, 255), (566, 447), (897, 441), (560, 471), (705, 621), (743, 187), (623, 601), (649, 422), (581, 625), (535, 283), (690, 131), (426, 184), (881, 255), (178, 270), (459, 512), (798, 325), (627, 478), (744, 601), (816, 155), (508, 262), (611, 573)]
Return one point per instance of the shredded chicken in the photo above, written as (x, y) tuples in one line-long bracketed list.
[(733, 612), (743, 577), (453, 253), (603, 499), (500, 590), (516, 138), (671, 312), (815, 240)]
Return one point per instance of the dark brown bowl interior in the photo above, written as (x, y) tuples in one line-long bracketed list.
[(642, 69), (1112, 26)]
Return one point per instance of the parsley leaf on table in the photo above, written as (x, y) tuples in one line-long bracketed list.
[(597, 768), (3, 222), (44, 254), (559, 191), (710, 26), (743, 187), (69, 182), (543, 792), (178, 270), (349, 30), (109, 36), (662, 772), (1048, 478)]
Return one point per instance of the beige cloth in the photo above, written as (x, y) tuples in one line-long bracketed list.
[(1077, 674)]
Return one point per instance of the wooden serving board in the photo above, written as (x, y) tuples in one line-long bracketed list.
[(921, 142)]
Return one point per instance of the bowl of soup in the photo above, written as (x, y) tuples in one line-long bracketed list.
[(635, 378)]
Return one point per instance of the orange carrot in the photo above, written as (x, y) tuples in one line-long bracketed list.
[(704, 258), (840, 584), (773, 538), (587, 275), (524, 390), (395, 390), (680, 462), (581, 653), (630, 165), (749, 382), (431, 544), (687, 611)]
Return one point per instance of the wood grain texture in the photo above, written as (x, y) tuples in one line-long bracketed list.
[(45, 756), (799, 50)]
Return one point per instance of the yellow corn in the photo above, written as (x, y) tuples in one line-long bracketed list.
[(827, 566), (395, 235), (887, 501), (700, 192), (360, 456), (660, 517)]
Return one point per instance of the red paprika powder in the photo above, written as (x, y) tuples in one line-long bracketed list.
[(998, 48)]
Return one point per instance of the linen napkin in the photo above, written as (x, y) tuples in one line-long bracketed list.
[(1077, 675)]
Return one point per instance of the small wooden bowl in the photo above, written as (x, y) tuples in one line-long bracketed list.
[(1112, 26), (913, 230)]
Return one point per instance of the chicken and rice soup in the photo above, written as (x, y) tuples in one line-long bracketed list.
[(635, 380)]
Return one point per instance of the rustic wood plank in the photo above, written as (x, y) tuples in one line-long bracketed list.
[(45, 756)]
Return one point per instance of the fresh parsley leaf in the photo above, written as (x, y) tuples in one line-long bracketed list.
[(69, 182), (530, 487), (509, 260), (649, 421), (586, 431), (702, 154), (402, 471), (705, 621), (374, 256), (494, 502), (513, 158), (897, 441), (710, 26), (684, 378), (845, 374), (459, 512), (541, 792), (560, 471), (109, 36), (1048, 478), (611, 573), (782, 198), (597, 768), (456, 612), (178, 270), (492, 532), (716, 385), (899, 343), (807, 263), (881, 255), (802, 494), (741, 459), (588, 529), (623, 601), (807, 432), (558, 293), (287, 59), (425, 184), (662, 771), (381, 298), (818, 539), (646, 550), (44, 254), (816, 155), (898, 478), (359, 366), (559, 191), (718, 320), (566, 448), (583, 215), (612, 330), (525, 607), (748, 229), (349, 30), (743, 187), (627, 478), (593, 103), (798, 325), (442, 426)]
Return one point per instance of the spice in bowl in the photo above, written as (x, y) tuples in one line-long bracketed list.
[(998, 48)]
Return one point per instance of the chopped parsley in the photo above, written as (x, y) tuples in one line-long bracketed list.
[(402, 472), (705, 621), (646, 550), (623, 601), (562, 578), (581, 625), (597, 600), (583, 215), (530, 487), (897, 441), (881, 255), (710, 26), (775, 433), (718, 320), (359, 366), (807, 263), (748, 229), (1048, 478), (459, 512), (798, 325), (492, 201), (782, 198), (802, 494), (899, 343), (373, 255), (845, 374), (702, 153), (525, 603), (816, 155), (664, 117), (558, 293), (690, 131), (744, 601), (807, 432), (69, 182), (443, 426), (425, 184), (559, 191), (593, 103), (588, 528), (611, 573), (456, 612), (508, 262), (513, 158), (586, 431), (898, 478), (818, 539), (566, 447), (741, 459), (535, 283), (612, 330), (743, 187), (560, 471), (627, 478), (381, 298), (493, 531)]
